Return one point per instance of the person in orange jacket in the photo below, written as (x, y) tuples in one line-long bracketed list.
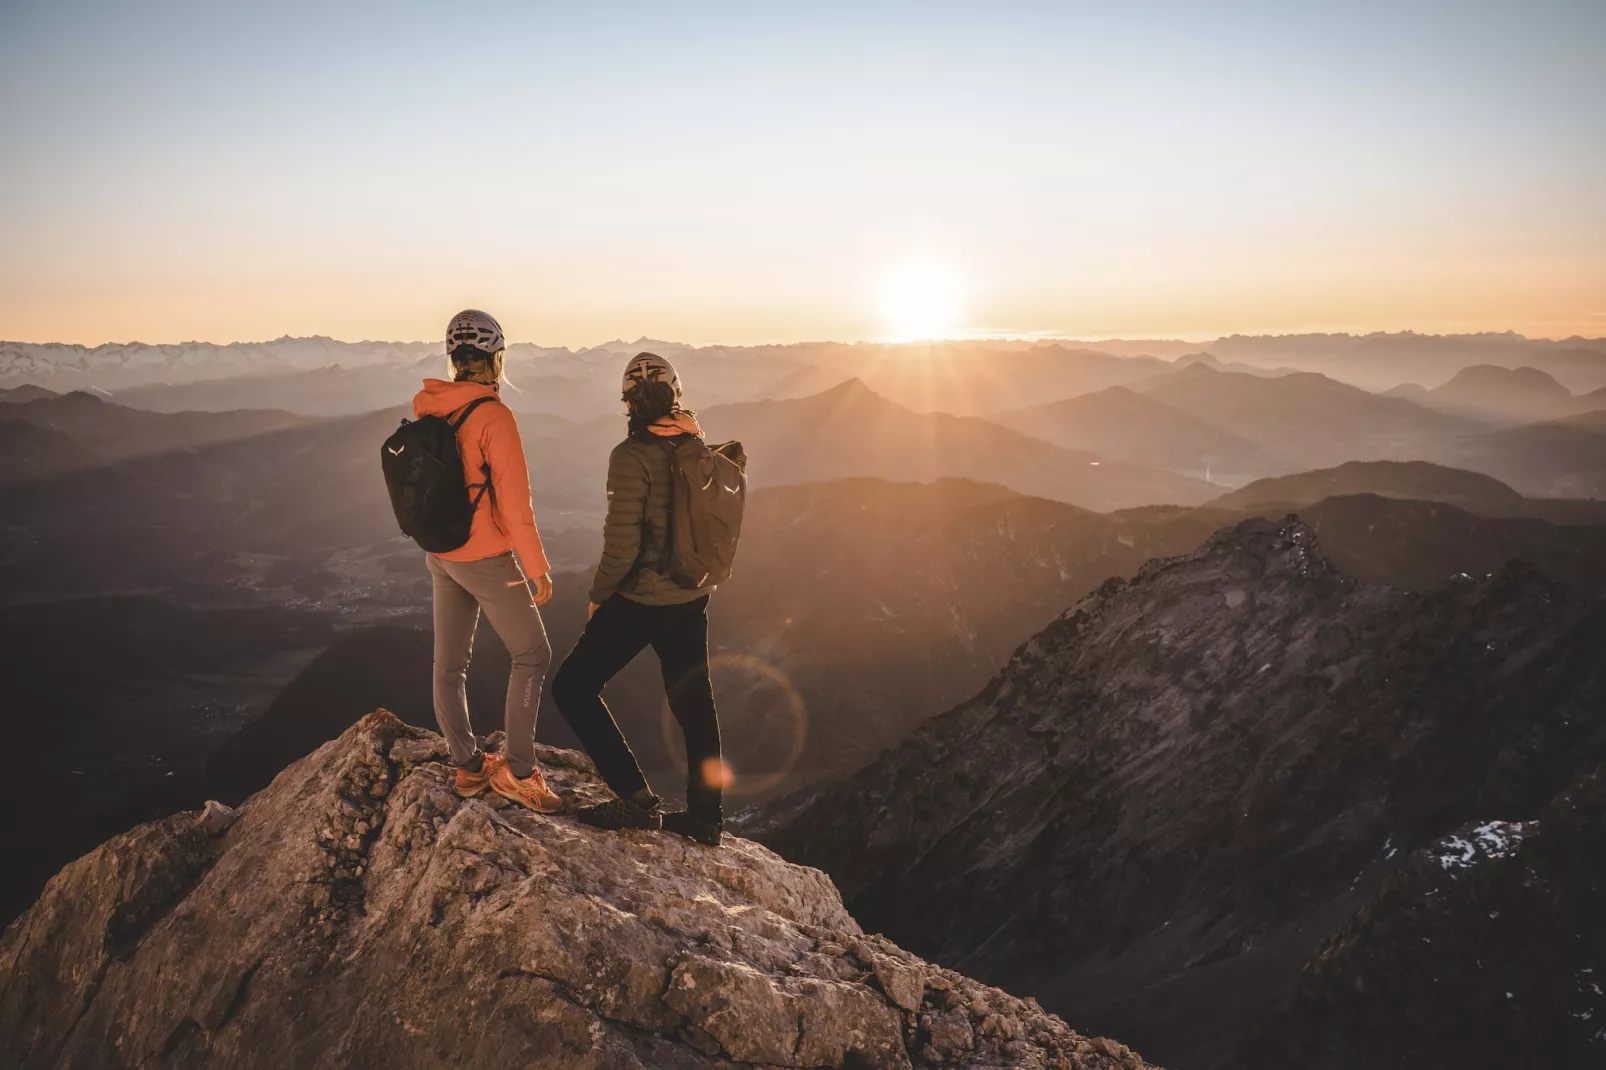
[(501, 570)]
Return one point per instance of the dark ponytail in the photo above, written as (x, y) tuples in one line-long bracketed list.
[(646, 403)]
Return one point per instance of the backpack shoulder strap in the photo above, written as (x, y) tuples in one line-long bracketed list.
[(486, 486), (467, 410)]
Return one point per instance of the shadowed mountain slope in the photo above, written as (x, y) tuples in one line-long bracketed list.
[(1556, 459), (1422, 545), (112, 707), (1420, 480), (29, 452), (358, 913), (26, 392), (1488, 942), (1173, 793), (102, 433)]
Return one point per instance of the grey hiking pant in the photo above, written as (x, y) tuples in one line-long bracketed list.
[(496, 585)]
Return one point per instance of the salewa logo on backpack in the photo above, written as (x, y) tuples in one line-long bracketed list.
[(428, 491)]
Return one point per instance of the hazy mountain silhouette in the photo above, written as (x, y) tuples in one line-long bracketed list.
[(186, 515), (25, 392), (1124, 425), (1380, 360), (1490, 392), (809, 379), (339, 391), (1308, 419), (850, 430), (1173, 793), (977, 378), (108, 433)]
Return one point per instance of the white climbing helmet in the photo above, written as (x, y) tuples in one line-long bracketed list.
[(471, 327), (650, 368)]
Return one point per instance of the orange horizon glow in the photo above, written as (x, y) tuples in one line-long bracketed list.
[(745, 174)]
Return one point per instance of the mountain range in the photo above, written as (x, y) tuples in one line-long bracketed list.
[(1375, 362)]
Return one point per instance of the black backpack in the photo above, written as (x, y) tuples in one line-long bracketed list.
[(424, 474)]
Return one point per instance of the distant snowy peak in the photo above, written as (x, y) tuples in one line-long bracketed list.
[(59, 366)]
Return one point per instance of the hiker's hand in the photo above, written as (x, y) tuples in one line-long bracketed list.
[(543, 589), (591, 610)]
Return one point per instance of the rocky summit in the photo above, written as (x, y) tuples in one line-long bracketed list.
[(357, 913), (1167, 800)]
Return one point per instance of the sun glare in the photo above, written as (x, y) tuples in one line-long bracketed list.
[(920, 299)]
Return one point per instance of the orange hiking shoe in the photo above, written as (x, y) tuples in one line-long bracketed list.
[(470, 784), (530, 791)]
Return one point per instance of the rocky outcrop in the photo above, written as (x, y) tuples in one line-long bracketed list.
[(1176, 791), (357, 913), (1487, 950)]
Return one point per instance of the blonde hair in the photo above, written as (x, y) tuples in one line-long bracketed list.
[(470, 365)]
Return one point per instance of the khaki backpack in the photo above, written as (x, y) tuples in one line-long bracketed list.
[(707, 492)]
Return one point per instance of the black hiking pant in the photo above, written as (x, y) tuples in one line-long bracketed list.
[(618, 631)]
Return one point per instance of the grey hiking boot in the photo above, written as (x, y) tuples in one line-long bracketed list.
[(639, 811)]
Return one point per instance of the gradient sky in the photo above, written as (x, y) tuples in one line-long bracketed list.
[(745, 172)]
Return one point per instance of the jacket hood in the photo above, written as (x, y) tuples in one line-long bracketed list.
[(441, 398)]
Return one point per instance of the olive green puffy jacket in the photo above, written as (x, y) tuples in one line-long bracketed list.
[(633, 535)]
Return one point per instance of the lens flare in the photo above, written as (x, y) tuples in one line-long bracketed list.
[(724, 774), (718, 774)]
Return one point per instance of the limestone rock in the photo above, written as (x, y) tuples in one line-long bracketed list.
[(358, 913)]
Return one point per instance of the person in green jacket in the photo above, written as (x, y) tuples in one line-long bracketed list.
[(635, 604)]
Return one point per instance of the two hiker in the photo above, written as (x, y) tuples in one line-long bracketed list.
[(460, 487)]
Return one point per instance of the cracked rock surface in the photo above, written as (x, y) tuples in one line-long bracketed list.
[(358, 913)]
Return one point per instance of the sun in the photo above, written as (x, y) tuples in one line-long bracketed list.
[(920, 299)]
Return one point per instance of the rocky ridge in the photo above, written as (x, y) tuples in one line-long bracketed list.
[(1172, 794), (358, 913)]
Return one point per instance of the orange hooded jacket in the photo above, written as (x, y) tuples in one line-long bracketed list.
[(504, 520)]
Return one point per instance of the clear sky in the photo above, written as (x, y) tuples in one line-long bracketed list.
[(755, 171)]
